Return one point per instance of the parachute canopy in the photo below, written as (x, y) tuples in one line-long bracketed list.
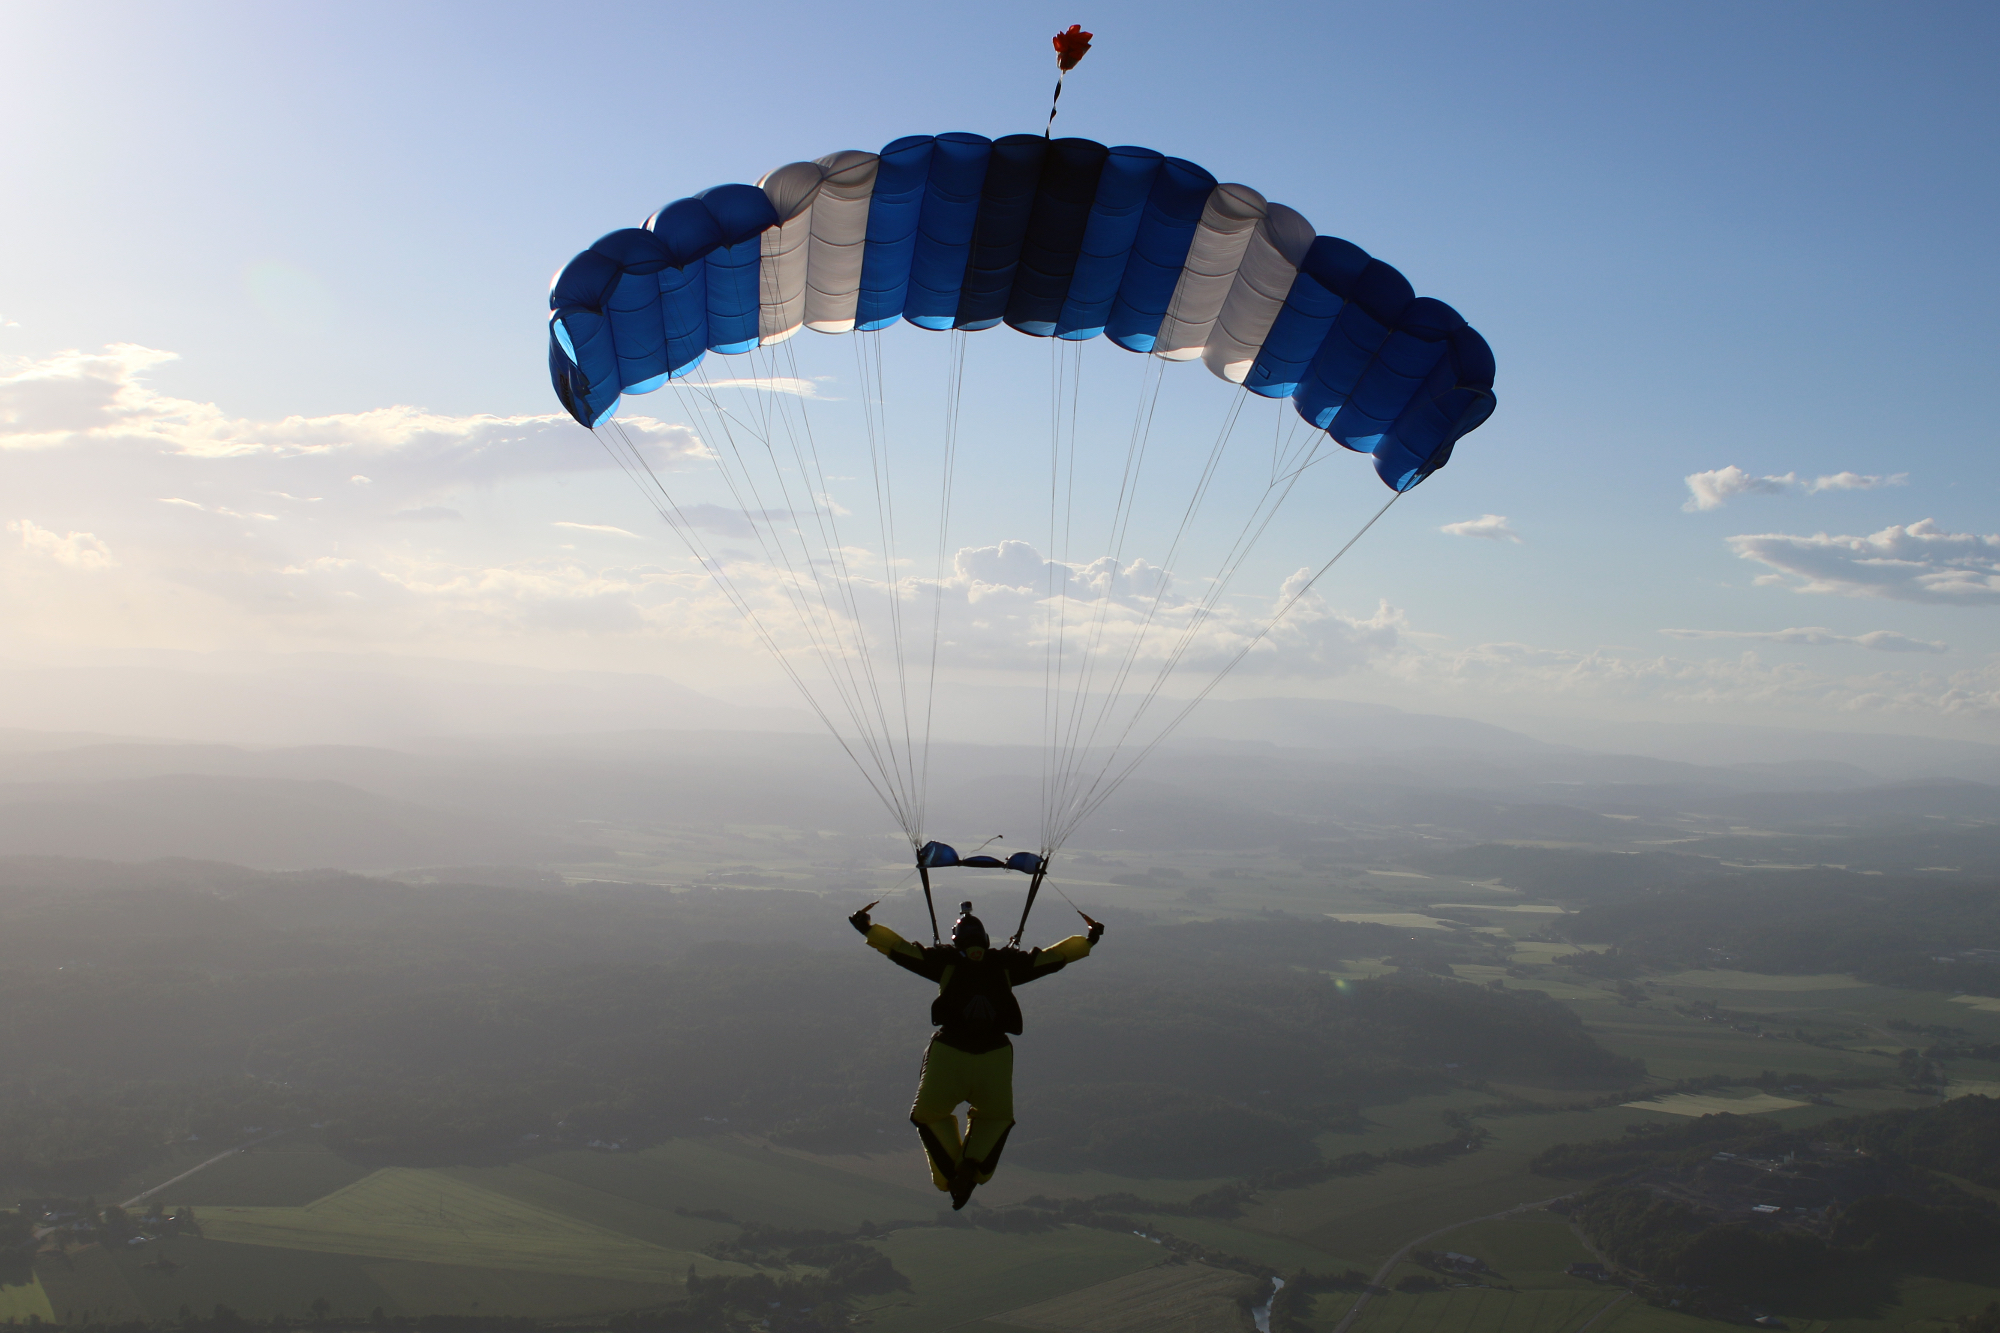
[(1061, 238), (938, 856)]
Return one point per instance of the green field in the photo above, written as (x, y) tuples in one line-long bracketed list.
[(288, 1172), (1359, 1221), (1526, 1289), (21, 1301), (436, 1217), (574, 1233), (965, 1274), (1483, 1311), (1696, 1104), (1676, 1047), (749, 1181), (563, 1234)]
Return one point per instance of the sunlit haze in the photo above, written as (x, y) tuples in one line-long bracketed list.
[(272, 316)]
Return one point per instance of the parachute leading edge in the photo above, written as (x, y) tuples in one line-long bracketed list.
[(1057, 238), (940, 856)]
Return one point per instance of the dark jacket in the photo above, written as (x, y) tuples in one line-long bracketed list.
[(975, 1007)]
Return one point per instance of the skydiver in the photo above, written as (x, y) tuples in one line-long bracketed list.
[(969, 1058)]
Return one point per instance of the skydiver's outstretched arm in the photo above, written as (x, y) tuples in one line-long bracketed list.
[(1042, 962), (895, 948)]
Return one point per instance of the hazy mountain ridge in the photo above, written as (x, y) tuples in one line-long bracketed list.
[(550, 800)]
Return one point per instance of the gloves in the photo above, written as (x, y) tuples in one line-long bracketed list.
[(860, 921), (1096, 931)]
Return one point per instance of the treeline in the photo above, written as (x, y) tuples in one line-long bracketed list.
[(1908, 1220), (1667, 910), (185, 1004), (1675, 1245), (1650, 1144), (1960, 1137)]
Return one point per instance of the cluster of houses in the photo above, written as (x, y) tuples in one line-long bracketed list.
[(1799, 1190), (60, 1222), (1451, 1262)]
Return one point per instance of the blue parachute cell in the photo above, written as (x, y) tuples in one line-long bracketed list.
[(1058, 238), (944, 229), (1316, 297), (1159, 250), (742, 215), (1013, 177), (895, 210), (1123, 186), (1057, 222)]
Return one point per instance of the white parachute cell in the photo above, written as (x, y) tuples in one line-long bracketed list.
[(839, 237), (782, 278), (1228, 222), (1263, 279)]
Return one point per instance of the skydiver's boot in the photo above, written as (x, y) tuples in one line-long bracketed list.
[(963, 1181)]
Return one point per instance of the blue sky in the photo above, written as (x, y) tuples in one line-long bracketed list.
[(1699, 237)]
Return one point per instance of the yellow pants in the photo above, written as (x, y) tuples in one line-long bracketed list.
[(986, 1083)]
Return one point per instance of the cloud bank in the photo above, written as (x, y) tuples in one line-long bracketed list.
[(1920, 562), (1881, 640), (76, 550), (1745, 684), (79, 399), (1715, 488), (1492, 527), (373, 530)]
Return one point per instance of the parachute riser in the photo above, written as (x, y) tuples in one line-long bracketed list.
[(1034, 887), (924, 874)]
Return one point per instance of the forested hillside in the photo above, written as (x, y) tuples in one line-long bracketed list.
[(439, 1022)]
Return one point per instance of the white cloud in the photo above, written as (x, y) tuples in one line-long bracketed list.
[(1493, 527), (785, 384), (73, 399), (89, 441), (1005, 605), (96, 449), (1743, 682), (1715, 488), (595, 527), (223, 510), (78, 550), (1881, 640), (1855, 481), (1920, 562)]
